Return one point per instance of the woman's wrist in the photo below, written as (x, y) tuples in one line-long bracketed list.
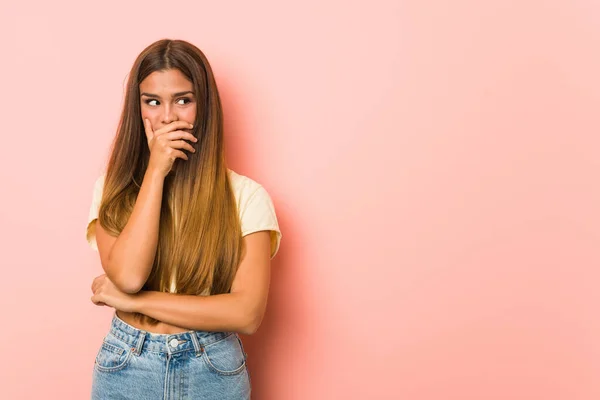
[(154, 175), (136, 302)]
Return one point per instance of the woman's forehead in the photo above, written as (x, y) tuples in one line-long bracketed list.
[(166, 82)]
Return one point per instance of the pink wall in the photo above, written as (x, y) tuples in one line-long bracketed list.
[(434, 166)]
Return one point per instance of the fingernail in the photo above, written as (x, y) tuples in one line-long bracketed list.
[(191, 125)]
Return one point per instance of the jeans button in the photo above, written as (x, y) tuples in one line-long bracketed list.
[(173, 342)]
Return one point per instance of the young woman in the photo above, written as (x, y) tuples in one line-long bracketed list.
[(185, 242)]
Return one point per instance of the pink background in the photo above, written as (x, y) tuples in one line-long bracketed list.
[(434, 166)]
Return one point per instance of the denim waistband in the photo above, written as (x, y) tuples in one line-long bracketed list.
[(141, 340)]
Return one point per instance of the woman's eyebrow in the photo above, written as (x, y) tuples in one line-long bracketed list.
[(173, 95)]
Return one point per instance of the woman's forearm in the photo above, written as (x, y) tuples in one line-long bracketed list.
[(222, 312), (132, 255)]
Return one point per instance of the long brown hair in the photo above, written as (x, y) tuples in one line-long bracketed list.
[(199, 243)]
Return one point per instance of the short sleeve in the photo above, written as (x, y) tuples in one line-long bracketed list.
[(90, 233), (258, 214)]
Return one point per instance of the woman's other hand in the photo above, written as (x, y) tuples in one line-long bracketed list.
[(106, 293)]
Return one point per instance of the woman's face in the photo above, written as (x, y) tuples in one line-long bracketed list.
[(167, 96)]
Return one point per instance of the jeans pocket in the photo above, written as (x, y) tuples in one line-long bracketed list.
[(226, 357), (114, 355)]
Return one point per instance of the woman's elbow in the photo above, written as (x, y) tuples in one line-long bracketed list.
[(128, 284), (248, 329), (124, 278), (251, 323)]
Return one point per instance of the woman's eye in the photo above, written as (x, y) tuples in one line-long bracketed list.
[(187, 101)]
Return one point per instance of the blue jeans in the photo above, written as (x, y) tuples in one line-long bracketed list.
[(136, 364)]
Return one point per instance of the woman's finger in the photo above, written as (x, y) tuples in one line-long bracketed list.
[(182, 144), (180, 154), (179, 134), (94, 285), (97, 300), (172, 126), (148, 130), (96, 282)]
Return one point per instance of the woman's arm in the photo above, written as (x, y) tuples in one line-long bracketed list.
[(241, 310), (127, 259)]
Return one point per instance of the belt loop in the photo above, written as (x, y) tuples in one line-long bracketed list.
[(138, 348), (197, 346)]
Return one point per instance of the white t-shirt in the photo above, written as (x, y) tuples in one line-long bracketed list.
[(256, 210)]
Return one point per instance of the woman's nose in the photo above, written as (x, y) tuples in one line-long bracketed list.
[(169, 115)]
